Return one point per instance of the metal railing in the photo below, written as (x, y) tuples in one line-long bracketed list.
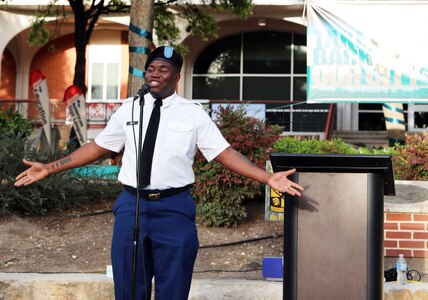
[(97, 113), (293, 116)]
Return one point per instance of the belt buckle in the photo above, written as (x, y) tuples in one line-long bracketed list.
[(154, 196)]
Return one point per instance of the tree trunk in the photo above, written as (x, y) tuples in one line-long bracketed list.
[(80, 43), (80, 67), (142, 16)]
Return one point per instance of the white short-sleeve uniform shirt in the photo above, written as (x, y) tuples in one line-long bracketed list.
[(184, 126)]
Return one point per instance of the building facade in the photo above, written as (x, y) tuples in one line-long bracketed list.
[(260, 60)]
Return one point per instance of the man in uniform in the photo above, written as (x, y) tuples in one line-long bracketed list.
[(167, 240)]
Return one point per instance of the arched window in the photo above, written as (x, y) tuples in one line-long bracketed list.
[(264, 66)]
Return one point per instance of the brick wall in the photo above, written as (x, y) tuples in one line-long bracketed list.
[(56, 60), (406, 233), (8, 76)]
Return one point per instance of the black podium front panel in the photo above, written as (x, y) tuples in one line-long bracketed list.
[(332, 237), (333, 245)]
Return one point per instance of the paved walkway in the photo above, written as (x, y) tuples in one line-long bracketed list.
[(33, 286)]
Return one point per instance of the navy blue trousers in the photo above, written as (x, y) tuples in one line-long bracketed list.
[(167, 247)]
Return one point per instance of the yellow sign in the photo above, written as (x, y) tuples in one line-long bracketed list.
[(274, 201)]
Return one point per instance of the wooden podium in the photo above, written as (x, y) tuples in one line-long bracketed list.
[(333, 234)]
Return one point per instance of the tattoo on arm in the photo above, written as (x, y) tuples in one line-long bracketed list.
[(61, 162), (65, 160)]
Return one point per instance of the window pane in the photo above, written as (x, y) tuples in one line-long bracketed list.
[(371, 117), (308, 121), (421, 119), (266, 88), (267, 52), (299, 54), (222, 57), (371, 121), (216, 88), (299, 88), (368, 106), (276, 114), (112, 81), (97, 81)]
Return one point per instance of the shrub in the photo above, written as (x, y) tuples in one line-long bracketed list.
[(12, 124), (410, 160), (293, 145), (219, 193), (59, 191)]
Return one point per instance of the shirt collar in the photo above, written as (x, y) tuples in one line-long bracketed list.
[(165, 102), (168, 100)]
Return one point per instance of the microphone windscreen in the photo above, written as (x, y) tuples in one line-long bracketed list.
[(145, 89)]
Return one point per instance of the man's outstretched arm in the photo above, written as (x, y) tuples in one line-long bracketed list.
[(80, 157), (238, 163)]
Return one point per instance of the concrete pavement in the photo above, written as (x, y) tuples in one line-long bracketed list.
[(34, 286)]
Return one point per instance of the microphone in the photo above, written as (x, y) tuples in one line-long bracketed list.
[(145, 88)]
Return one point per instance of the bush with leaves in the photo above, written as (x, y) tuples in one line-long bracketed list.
[(410, 160), (13, 124), (293, 145), (59, 191), (220, 193)]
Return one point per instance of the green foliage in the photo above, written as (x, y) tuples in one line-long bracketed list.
[(59, 191), (39, 35), (411, 159), (242, 8), (4, 4), (166, 28), (14, 130), (293, 145), (200, 23), (220, 193), (13, 124)]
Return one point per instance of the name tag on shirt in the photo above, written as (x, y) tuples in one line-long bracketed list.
[(131, 123)]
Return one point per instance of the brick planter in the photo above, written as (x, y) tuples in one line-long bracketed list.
[(406, 225)]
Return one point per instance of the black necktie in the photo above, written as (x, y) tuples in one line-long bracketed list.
[(149, 145)]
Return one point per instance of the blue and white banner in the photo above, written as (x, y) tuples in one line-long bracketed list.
[(367, 51)]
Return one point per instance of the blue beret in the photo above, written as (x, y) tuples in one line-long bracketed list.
[(165, 53)]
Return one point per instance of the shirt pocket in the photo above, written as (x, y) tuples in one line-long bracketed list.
[(180, 136)]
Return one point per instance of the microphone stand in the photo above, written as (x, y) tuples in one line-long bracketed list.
[(144, 90)]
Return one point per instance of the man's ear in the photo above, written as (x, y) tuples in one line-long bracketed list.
[(177, 77)]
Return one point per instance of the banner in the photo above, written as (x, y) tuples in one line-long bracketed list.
[(40, 89), (367, 51), (75, 101), (395, 123)]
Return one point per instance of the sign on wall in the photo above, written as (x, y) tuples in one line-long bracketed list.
[(367, 51)]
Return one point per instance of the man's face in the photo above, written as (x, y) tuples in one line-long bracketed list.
[(162, 78)]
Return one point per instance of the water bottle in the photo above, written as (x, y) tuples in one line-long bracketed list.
[(401, 267)]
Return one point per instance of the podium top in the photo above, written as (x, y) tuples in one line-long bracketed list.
[(338, 163)]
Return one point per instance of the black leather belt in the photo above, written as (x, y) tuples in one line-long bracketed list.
[(156, 194)]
